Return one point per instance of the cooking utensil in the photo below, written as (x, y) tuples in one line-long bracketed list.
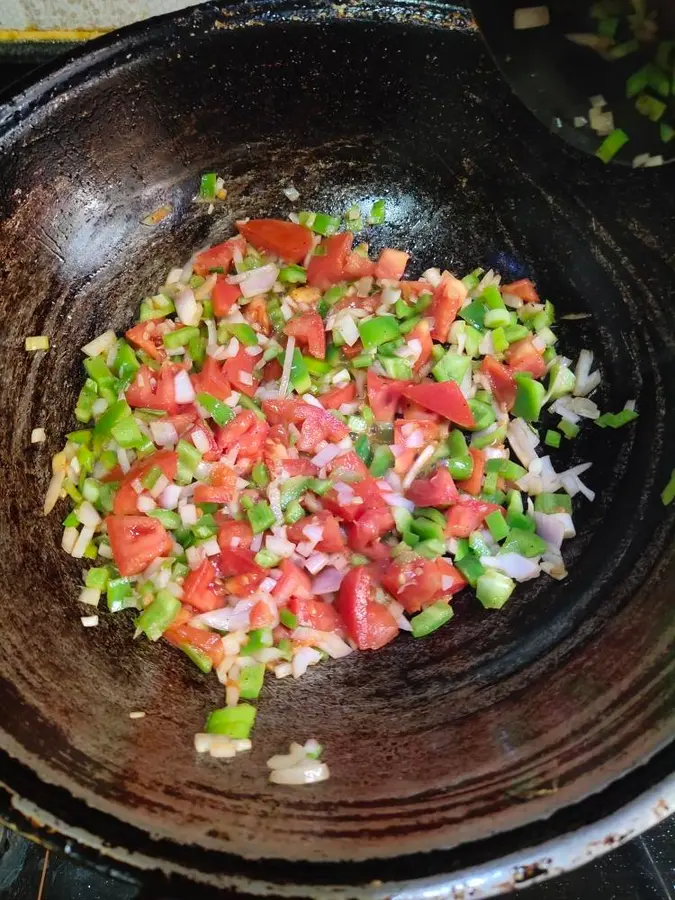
[(488, 754)]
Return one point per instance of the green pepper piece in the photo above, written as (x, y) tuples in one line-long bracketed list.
[(299, 374), (383, 460), (251, 681), (496, 523), (497, 318), (324, 224), (474, 313), (203, 662), (530, 395), (97, 578), (461, 467), (113, 414), (397, 368), (515, 333), (258, 639), (207, 186), (428, 530), (479, 545), (569, 429), (289, 619), (127, 433), (378, 330), (260, 517), (496, 436), (470, 567), (377, 213), (561, 381), (293, 513), (483, 414), (362, 449), (180, 337), (430, 619), (266, 559), (293, 488), (232, 721), (317, 366), (451, 367), (220, 412), (493, 589), (553, 503), (552, 438), (520, 521), (525, 543), (293, 275), (158, 616)]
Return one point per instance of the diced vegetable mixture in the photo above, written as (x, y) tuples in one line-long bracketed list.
[(297, 453)]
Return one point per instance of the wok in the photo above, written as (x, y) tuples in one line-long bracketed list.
[(500, 750)]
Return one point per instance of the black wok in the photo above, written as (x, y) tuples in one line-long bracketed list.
[(494, 749)]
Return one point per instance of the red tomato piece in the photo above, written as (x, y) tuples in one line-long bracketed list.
[(411, 290), (293, 583), (523, 356), (368, 623), (331, 541), (272, 370), (211, 380), (438, 490), (422, 334), (473, 484), (154, 390), (149, 337), (391, 264), (262, 615), (329, 268), (255, 313), (501, 381), (136, 541), (201, 590), (201, 428), (126, 498), (244, 585), (444, 398), (358, 266), (316, 424), (233, 535), (466, 516), (447, 299), (522, 288), (182, 421), (285, 239), (315, 614), (224, 296), (233, 432), (218, 257), (452, 579), (384, 395), (308, 329), (365, 533), (346, 465), (300, 466), (222, 487), (241, 364), (208, 642), (334, 398), (414, 583)]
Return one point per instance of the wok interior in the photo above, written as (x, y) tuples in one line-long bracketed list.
[(431, 743)]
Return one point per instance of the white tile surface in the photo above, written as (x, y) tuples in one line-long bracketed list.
[(90, 14)]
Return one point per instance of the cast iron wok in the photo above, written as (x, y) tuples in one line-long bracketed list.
[(454, 757)]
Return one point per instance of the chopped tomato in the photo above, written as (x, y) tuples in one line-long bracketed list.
[(368, 623), (224, 296), (501, 381), (522, 288), (334, 398), (444, 398), (329, 268), (232, 534), (241, 364), (350, 352), (308, 329), (414, 582), (523, 356), (364, 535), (126, 498), (466, 516), (452, 579), (204, 434), (316, 425), (285, 239), (438, 490), (391, 264), (232, 433), (447, 299), (208, 642), (222, 487), (346, 465), (358, 266), (201, 590), (413, 289), (474, 483), (262, 615), (421, 333), (154, 390), (244, 585), (182, 421), (300, 466), (251, 444), (331, 540), (218, 257), (384, 395), (293, 583), (211, 380), (149, 337), (136, 541), (315, 614), (255, 314), (272, 370)]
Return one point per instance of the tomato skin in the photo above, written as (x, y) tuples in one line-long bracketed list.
[(522, 288), (136, 541), (232, 369), (391, 264), (285, 239), (200, 591), (223, 296), (422, 334), (233, 534), (331, 541), (368, 623), (384, 395), (252, 442), (316, 614), (448, 297), (148, 336), (308, 328), (466, 516), (218, 257), (523, 356), (414, 583), (153, 390), (293, 583), (474, 483), (334, 398), (444, 398), (208, 642), (323, 271), (438, 490), (211, 380), (358, 267), (126, 498), (501, 380)]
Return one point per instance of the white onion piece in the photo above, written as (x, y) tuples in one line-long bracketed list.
[(333, 645), (229, 618), (163, 434), (523, 441), (418, 465), (327, 581), (316, 562), (101, 344), (286, 371), (184, 392), (398, 500), (326, 455), (550, 528), (170, 496), (303, 659), (187, 308), (512, 564), (256, 281)]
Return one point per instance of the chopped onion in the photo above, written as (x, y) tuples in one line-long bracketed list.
[(292, 193), (256, 281), (418, 465), (327, 581), (512, 564), (187, 308), (279, 546), (303, 659), (188, 514), (83, 541), (523, 441), (326, 455), (433, 276), (286, 371), (89, 621), (201, 441), (229, 618), (170, 496), (550, 528), (53, 491), (101, 344), (398, 500), (184, 392), (348, 329), (530, 17), (333, 645), (316, 562)]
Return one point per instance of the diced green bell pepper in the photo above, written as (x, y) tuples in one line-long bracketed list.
[(431, 618), (493, 589), (158, 616), (232, 721), (530, 395)]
